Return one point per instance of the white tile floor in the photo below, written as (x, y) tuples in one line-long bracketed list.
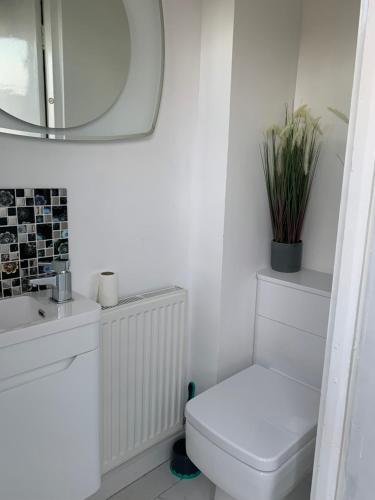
[(160, 484)]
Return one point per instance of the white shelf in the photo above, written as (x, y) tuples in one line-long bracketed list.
[(306, 280)]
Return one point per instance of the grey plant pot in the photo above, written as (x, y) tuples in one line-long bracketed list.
[(286, 257)]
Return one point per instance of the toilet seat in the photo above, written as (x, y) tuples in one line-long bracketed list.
[(259, 417)]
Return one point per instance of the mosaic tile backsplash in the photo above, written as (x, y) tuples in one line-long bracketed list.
[(33, 232)]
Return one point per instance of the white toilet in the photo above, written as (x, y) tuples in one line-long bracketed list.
[(253, 435)]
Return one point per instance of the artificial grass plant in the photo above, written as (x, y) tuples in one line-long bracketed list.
[(290, 155)]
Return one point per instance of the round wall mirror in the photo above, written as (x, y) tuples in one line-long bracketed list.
[(63, 63)]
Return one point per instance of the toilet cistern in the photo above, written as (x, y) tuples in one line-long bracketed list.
[(60, 279)]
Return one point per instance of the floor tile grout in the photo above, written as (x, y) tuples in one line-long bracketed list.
[(140, 479), (165, 491)]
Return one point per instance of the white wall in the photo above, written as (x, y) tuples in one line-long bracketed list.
[(249, 62), (265, 56), (325, 78), (128, 201), (187, 206), (208, 188), (281, 51)]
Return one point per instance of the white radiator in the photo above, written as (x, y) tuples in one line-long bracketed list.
[(143, 373)]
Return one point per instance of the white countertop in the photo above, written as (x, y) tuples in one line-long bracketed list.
[(307, 280)]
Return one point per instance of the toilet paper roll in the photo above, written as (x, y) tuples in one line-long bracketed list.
[(108, 289)]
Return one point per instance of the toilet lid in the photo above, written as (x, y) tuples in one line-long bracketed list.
[(258, 416)]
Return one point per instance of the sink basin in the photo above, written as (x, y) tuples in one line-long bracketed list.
[(20, 311), (34, 315)]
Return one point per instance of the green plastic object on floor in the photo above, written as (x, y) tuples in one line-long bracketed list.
[(181, 465)]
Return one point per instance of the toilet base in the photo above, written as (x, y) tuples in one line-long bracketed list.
[(244, 482), (301, 492)]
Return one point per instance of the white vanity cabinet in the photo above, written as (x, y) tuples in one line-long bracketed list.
[(49, 409)]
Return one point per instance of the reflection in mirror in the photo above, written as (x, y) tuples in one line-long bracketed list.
[(94, 72), (63, 63)]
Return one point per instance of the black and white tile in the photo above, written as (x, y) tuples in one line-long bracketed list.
[(33, 232)]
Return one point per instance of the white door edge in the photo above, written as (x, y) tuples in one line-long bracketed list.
[(350, 265)]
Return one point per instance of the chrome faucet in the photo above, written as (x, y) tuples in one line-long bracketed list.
[(60, 280)]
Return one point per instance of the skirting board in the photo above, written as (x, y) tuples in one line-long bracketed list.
[(119, 478)]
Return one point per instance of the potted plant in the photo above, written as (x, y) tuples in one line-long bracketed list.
[(290, 154)]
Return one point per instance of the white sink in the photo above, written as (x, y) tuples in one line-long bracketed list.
[(49, 398), (20, 311), (35, 315)]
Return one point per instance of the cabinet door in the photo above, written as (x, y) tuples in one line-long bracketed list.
[(49, 431)]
